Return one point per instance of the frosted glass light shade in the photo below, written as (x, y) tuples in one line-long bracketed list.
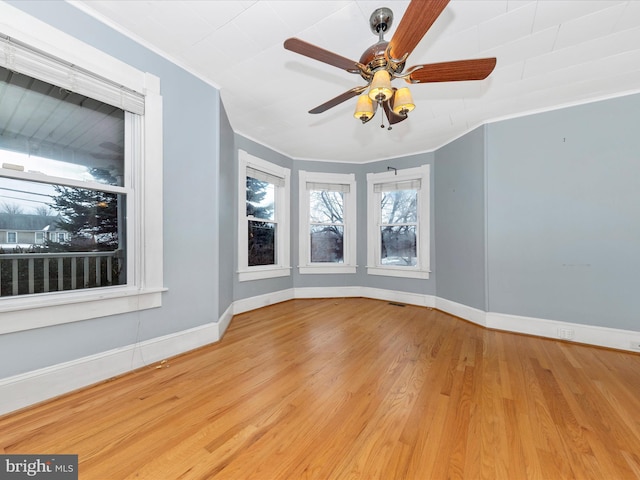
[(364, 108), (403, 102), (380, 86)]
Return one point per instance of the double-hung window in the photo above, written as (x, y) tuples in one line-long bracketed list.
[(398, 223), (263, 224), (327, 222), (81, 163)]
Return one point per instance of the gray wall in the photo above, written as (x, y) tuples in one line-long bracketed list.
[(191, 153), (564, 214), (226, 213), (409, 285), (460, 220), (322, 280)]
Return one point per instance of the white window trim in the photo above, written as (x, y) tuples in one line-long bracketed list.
[(305, 265), (422, 269), (146, 284), (283, 257)]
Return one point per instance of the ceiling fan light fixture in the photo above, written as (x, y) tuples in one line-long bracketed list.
[(380, 90), (403, 101), (364, 108)]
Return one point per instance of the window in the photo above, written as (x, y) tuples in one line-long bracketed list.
[(398, 223), (12, 237), (327, 223), (263, 226), (79, 130)]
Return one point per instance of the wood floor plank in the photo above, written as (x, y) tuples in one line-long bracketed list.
[(352, 389)]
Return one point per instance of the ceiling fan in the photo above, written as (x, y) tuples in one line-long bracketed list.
[(385, 61)]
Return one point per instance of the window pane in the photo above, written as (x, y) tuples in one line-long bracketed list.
[(262, 243), (398, 246), (47, 129), (399, 206), (65, 238), (327, 244), (326, 207), (260, 199)]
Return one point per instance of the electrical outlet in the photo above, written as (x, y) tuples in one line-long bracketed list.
[(635, 345), (565, 333)]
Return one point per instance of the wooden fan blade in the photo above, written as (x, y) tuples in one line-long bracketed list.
[(339, 99), (308, 50), (456, 71), (415, 22)]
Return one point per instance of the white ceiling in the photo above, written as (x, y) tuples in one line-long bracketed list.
[(550, 53)]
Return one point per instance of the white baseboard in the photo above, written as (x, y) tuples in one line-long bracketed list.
[(418, 299), (367, 292), (26, 389), (572, 332), (327, 292), (225, 321), (540, 327), (247, 304), (463, 311)]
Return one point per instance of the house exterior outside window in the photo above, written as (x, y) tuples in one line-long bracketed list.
[(263, 222), (398, 223), (327, 223)]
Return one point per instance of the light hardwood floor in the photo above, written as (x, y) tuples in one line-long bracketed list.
[(353, 389)]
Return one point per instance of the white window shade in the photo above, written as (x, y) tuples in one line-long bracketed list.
[(413, 184), (265, 177), (20, 58), (329, 187)]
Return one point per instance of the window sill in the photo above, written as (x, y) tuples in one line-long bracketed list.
[(261, 273), (399, 272), (326, 269), (47, 309)]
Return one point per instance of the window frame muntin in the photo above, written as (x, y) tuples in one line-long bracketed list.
[(422, 268), (349, 265)]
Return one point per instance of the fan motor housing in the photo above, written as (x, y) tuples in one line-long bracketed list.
[(374, 59)]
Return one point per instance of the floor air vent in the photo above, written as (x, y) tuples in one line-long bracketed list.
[(395, 304)]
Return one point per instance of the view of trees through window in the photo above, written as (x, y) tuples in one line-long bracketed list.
[(262, 226), (90, 216), (398, 228), (326, 210), (55, 234)]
